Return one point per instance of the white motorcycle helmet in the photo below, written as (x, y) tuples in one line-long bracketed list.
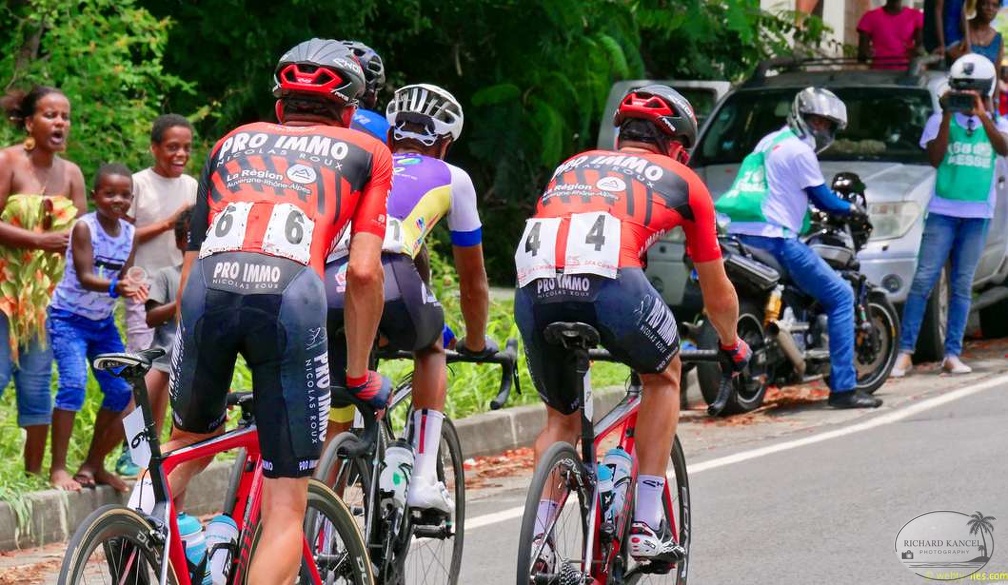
[(820, 102), (973, 72), (428, 105)]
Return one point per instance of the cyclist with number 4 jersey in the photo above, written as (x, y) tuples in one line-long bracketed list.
[(271, 200), (424, 121), (580, 259)]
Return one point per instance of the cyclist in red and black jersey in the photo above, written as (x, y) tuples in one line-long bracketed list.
[(272, 199), (580, 259)]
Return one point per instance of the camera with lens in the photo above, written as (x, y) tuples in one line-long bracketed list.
[(959, 101)]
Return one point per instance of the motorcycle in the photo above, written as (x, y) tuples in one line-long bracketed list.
[(786, 328)]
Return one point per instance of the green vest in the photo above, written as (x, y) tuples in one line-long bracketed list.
[(966, 172), (743, 202)]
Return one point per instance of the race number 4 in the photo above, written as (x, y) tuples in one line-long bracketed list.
[(289, 233), (593, 244), (536, 253), (227, 232)]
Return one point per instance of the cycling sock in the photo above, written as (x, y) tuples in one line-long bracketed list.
[(425, 435), (649, 500), (544, 515)]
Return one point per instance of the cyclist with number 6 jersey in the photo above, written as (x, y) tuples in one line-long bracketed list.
[(580, 259), (425, 120), (272, 199)]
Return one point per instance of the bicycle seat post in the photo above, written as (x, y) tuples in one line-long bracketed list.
[(578, 338)]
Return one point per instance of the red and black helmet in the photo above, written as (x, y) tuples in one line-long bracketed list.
[(664, 107), (319, 67)]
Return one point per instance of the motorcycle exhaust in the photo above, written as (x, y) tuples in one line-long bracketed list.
[(782, 334)]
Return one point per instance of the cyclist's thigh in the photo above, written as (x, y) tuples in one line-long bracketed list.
[(413, 317), (538, 304), (286, 348), (205, 350), (635, 324)]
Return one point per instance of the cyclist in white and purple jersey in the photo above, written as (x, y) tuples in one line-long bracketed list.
[(424, 121)]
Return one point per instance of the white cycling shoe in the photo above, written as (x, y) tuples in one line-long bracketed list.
[(647, 544), (429, 496)]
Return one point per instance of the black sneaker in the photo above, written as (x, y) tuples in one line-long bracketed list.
[(853, 399), (648, 545)]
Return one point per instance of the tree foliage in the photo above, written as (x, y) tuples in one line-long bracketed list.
[(106, 57), (532, 76)]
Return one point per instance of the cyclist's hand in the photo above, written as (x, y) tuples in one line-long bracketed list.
[(735, 358), (490, 348), (375, 390), (858, 213)]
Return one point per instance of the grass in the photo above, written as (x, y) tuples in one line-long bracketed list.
[(470, 389)]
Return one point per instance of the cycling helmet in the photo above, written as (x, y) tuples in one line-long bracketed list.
[(820, 102), (663, 106), (319, 67), (429, 105), (371, 63), (973, 72)]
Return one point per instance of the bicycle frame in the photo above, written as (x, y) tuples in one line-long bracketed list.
[(246, 508), (599, 556)]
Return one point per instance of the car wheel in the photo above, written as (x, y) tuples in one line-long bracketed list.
[(931, 341), (994, 320)]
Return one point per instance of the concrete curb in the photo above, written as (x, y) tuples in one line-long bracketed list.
[(52, 516)]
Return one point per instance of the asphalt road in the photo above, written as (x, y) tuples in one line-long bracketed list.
[(795, 493)]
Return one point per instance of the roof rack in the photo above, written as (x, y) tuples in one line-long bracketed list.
[(799, 63)]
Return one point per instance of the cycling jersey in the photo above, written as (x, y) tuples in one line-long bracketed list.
[(426, 189), (286, 191), (602, 210), (373, 123), (271, 201)]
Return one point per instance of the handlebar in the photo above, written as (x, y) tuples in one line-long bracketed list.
[(507, 359), (686, 355)]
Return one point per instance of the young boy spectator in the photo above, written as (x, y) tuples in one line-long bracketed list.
[(890, 35), (160, 194), (81, 326), (161, 310)]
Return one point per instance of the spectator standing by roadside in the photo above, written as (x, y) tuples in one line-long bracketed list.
[(890, 35), (944, 25), (81, 326), (160, 194), (41, 194), (982, 38), (963, 146)]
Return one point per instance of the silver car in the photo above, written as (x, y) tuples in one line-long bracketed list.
[(886, 112)]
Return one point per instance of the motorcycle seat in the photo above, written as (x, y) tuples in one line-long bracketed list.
[(767, 258)]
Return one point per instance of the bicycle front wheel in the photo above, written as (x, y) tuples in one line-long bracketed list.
[(554, 524), (435, 552), (114, 544), (676, 504)]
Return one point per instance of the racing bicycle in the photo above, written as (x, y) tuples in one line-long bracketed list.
[(118, 544)]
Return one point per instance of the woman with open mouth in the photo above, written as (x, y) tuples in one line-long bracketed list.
[(41, 195)]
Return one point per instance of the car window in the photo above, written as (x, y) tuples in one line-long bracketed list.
[(883, 123)]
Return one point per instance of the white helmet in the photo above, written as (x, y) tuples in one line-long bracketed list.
[(973, 72), (820, 102), (433, 107)]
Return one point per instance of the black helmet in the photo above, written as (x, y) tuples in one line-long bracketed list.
[(663, 106), (371, 62), (319, 67)]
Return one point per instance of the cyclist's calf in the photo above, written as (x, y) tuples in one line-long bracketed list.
[(659, 415)]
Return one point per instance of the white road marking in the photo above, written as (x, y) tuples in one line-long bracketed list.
[(874, 422)]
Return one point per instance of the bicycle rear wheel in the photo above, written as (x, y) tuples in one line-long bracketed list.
[(552, 550), (349, 477), (334, 540), (435, 552), (113, 545), (676, 503)]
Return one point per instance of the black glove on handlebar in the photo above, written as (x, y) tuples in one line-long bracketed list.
[(490, 348), (734, 359), (858, 213)]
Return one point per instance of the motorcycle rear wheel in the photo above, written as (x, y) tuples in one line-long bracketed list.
[(749, 390)]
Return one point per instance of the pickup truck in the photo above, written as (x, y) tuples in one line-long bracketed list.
[(886, 113)]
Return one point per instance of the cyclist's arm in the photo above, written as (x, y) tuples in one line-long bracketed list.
[(720, 300), (198, 226), (365, 291), (467, 249), (825, 199), (474, 294)]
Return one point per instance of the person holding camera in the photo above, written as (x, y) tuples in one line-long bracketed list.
[(962, 142)]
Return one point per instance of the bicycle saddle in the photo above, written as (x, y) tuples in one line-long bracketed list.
[(143, 358), (571, 334)]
